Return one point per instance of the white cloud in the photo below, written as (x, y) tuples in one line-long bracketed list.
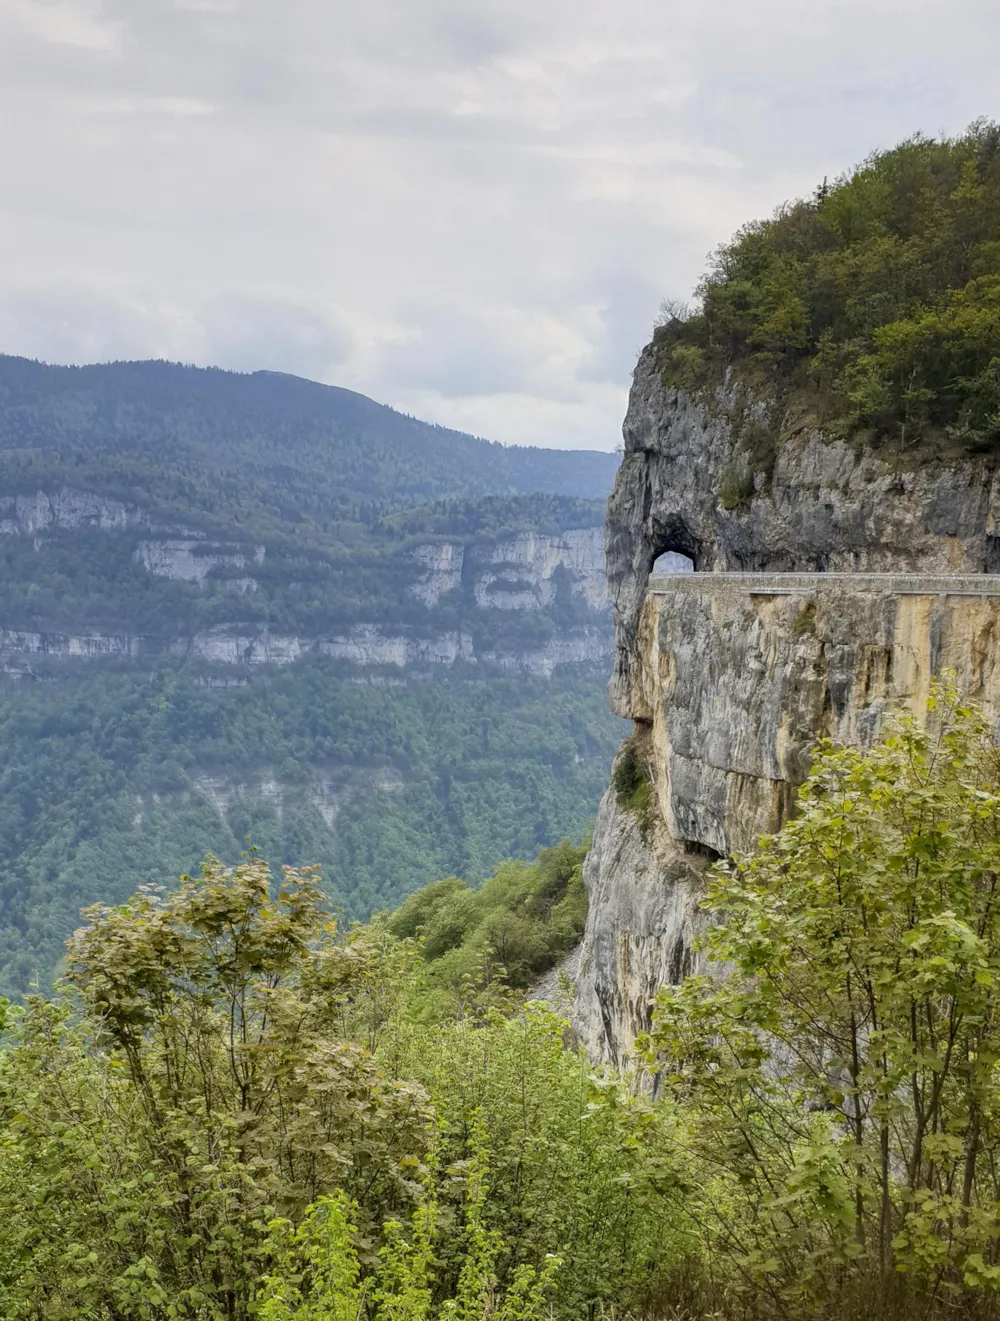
[(470, 211), (72, 24)]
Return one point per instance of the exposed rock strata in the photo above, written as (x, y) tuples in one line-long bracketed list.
[(729, 687), (67, 510), (522, 573), (193, 559), (518, 573), (364, 645)]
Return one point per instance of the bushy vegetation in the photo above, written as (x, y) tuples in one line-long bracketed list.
[(874, 305), (117, 778), (233, 1109), (842, 1081), (509, 931), (632, 782), (234, 1114)]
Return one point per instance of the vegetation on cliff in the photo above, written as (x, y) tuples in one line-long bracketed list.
[(509, 931), (877, 299), (843, 1076)]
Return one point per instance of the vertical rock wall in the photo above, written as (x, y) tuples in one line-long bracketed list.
[(729, 681)]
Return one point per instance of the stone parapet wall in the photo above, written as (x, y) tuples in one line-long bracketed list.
[(898, 584)]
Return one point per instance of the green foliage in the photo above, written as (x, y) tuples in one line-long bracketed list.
[(321, 1258), (840, 1084), (238, 1115), (578, 1168), (877, 301), (736, 486), (207, 1085), (632, 783), (805, 621), (113, 779), (520, 922), (494, 517)]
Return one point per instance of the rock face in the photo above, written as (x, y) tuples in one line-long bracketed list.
[(824, 506), (642, 920), (253, 646), (449, 596), (66, 509), (730, 674), (192, 559), (522, 573)]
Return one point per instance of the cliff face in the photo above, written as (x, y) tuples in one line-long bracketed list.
[(436, 603), (823, 506), (730, 680)]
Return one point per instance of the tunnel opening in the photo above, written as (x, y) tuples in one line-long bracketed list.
[(671, 561), (672, 547)]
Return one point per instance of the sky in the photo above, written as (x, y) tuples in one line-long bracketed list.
[(468, 209)]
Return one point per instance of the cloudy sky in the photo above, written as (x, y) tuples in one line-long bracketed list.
[(469, 209)]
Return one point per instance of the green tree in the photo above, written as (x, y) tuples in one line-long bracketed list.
[(208, 1085), (871, 305), (840, 1071)]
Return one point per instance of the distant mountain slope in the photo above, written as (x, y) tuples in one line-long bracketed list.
[(256, 608), (266, 446)]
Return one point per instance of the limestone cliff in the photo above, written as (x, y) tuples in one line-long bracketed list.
[(808, 504), (530, 601), (793, 628)]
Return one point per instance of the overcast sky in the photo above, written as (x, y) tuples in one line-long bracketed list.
[(469, 209)]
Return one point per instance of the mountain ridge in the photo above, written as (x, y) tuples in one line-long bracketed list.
[(255, 427)]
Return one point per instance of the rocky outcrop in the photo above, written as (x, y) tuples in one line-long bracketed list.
[(193, 559), (515, 573), (643, 892), (458, 584), (440, 566), (364, 645), (731, 673), (327, 793), (523, 572), (67, 510), (688, 483)]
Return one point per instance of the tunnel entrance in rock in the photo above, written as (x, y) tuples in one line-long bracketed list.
[(671, 561), (672, 546)]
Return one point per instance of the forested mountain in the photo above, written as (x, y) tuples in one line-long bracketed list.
[(256, 451), (253, 609)]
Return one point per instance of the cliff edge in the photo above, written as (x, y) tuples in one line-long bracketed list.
[(730, 674)]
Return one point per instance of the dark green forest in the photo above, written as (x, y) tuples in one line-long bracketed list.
[(116, 778), (255, 453), (872, 307)]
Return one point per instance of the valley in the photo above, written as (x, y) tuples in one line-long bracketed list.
[(253, 612)]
